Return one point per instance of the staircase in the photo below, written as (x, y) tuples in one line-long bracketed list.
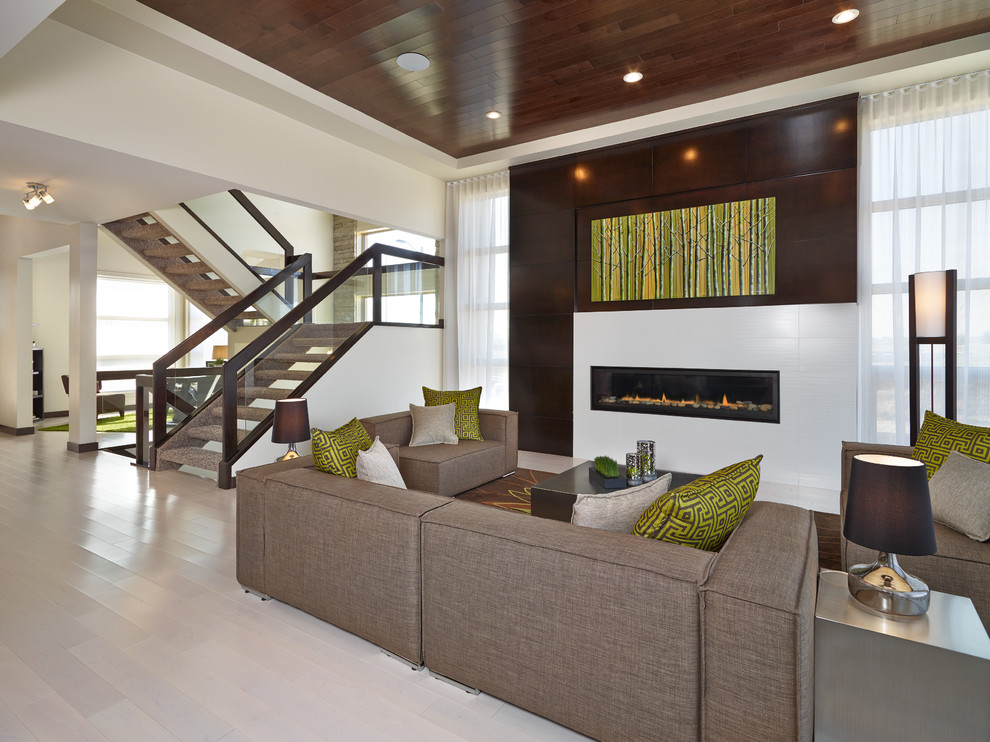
[(179, 266), (277, 375)]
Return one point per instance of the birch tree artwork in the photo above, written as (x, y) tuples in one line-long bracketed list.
[(726, 249)]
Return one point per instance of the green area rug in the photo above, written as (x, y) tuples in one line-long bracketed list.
[(112, 424)]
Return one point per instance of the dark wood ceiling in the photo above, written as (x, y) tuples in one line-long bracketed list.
[(554, 66)]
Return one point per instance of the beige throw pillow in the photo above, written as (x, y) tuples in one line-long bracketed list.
[(377, 465), (617, 510), (961, 495), (433, 424)]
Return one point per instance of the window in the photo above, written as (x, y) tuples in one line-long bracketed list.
[(408, 296), (132, 325), (925, 205)]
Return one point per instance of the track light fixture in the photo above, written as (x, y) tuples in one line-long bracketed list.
[(38, 192)]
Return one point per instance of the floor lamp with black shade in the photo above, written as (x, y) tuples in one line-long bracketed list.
[(931, 321)]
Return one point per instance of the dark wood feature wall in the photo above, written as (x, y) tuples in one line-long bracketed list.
[(804, 156)]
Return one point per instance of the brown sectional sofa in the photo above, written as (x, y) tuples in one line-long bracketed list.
[(616, 636), (447, 469), (961, 565)]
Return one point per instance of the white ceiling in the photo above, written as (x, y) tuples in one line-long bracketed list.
[(90, 184)]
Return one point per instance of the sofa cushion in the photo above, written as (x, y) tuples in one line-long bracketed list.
[(617, 510), (704, 512), (939, 435), (335, 451), (450, 470), (466, 422), (432, 425), (377, 465), (960, 492)]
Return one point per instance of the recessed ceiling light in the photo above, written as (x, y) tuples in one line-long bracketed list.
[(412, 61), (493, 115), (845, 16), (633, 76)]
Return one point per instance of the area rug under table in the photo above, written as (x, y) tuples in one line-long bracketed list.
[(509, 493)]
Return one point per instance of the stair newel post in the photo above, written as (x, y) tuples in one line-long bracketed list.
[(307, 287), (159, 408), (228, 414), (376, 287)]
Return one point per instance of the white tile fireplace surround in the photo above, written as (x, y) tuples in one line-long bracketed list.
[(814, 346)]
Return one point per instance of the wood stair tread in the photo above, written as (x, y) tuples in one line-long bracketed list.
[(244, 412), (202, 458), (282, 374), (221, 300), (168, 251), (141, 232), (186, 269), (266, 392), (212, 433), (207, 284), (299, 357)]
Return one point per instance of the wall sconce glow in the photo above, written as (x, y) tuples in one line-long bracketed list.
[(580, 174), (632, 76), (412, 62), (690, 154), (493, 115), (844, 16), (37, 194)]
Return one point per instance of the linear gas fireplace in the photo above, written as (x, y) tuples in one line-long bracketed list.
[(725, 395)]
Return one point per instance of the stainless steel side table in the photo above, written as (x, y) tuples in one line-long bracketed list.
[(880, 678)]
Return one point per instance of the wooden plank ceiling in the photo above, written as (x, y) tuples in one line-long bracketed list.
[(553, 66)]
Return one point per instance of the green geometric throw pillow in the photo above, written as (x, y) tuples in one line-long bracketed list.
[(467, 424), (938, 436), (703, 513), (335, 451)]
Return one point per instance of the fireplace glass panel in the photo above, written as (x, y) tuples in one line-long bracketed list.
[(719, 394)]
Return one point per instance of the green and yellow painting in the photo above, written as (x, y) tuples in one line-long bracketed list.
[(726, 249)]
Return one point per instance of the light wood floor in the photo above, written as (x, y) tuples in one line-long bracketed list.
[(120, 619)]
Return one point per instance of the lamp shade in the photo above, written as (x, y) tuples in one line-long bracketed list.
[(291, 421), (889, 507), (219, 352), (929, 304)]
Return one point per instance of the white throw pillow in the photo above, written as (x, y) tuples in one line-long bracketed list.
[(960, 492), (377, 465), (618, 510), (433, 424)]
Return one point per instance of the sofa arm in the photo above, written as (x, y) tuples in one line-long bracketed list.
[(395, 428), (251, 487), (502, 425), (758, 617)]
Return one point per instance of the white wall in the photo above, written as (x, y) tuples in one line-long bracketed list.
[(383, 372), (51, 323), (67, 83), (813, 346)]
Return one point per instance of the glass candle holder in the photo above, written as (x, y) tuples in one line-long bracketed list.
[(633, 476), (647, 460)]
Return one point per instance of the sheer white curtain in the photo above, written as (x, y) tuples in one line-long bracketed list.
[(924, 195), (476, 351)]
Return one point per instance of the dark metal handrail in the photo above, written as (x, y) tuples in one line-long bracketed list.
[(160, 367)]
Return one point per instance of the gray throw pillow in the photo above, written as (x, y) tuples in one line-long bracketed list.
[(433, 424), (618, 510), (961, 495), (377, 465)]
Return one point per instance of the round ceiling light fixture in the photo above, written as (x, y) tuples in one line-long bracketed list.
[(493, 114), (412, 62), (632, 76), (845, 16)]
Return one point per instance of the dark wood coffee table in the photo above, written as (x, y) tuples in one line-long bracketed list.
[(554, 498)]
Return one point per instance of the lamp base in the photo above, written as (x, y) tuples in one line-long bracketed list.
[(290, 454), (885, 587)]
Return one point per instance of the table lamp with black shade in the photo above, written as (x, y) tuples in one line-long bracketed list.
[(291, 424), (888, 508)]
